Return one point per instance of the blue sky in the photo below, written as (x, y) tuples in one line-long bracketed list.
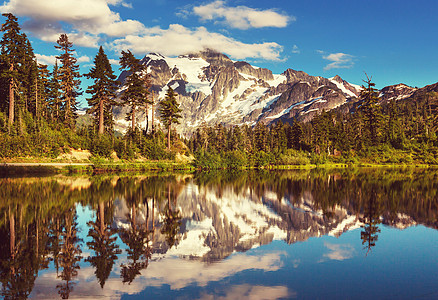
[(392, 41)]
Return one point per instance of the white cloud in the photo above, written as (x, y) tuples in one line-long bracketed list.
[(88, 19), (51, 59), (241, 17), (127, 5), (178, 39), (338, 60), (46, 59), (82, 59), (296, 50), (89, 23)]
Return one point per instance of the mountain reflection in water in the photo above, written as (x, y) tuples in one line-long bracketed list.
[(208, 234)]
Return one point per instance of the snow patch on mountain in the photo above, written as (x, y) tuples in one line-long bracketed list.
[(214, 89), (342, 87)]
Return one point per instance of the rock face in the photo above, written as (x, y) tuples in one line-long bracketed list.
[(214, 89), (396, 92)]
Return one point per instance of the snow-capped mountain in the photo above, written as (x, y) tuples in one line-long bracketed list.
[(214, 89), (396, 92)]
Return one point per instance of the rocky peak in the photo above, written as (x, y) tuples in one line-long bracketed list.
[(213, 89), (261, 73), (396, 92), (337, 78), (293, 76), (213, 57)]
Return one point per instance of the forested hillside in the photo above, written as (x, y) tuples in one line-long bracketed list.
[(39, 116)]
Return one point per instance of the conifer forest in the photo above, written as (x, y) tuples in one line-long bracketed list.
[(39, 118)]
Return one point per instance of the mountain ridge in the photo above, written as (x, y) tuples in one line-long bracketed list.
[(214, 89)]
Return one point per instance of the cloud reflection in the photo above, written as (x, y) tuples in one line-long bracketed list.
[(174, 272), (246, 291), (338, 251)]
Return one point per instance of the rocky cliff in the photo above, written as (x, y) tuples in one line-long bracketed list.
[(214, 89)]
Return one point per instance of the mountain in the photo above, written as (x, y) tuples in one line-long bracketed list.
[(214, 89), (396, 92)]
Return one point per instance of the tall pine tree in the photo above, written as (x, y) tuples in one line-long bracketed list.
[(371, 111), (54, 94), (69, 82), (169, 112), (136, 92), (102, 91), (12, 57)]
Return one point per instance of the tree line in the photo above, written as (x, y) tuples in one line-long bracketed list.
[(39, 117), (365, 130), (39, 107)]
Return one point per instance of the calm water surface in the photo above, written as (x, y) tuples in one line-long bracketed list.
[(364, 234)]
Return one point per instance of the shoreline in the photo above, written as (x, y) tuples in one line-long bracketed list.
[(17, 168)]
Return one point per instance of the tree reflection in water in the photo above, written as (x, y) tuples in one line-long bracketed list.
[(370, 220), (172, 220), (69, 255), (103, 244), (38, 219), (137, 235)]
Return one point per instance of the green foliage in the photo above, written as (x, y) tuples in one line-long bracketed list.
[(136, 85), (103, 92), (294, 157), (102, 146), (68, 79), (155, 149), (207, 160), (169, 112)]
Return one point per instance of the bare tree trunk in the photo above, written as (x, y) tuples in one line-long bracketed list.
[(101, 218), (57, 109), (11, 101), (67, 111), (153, 112), (168, 198), (37, 229), (101, 127), (147, 118), (36, 99), (153, 217), (133, 118), (12, 232), (133, 218), (20, 122), (168, 137)]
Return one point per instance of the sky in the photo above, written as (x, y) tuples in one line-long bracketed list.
[(391, 41)]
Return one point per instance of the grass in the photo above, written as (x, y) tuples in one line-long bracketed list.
[(99, 165)]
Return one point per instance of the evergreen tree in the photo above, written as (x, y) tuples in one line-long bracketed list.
[(260, 137), (135, 92), (371, 110), (68, 77), (42, 90), (29, 76), (102, 91), (295, 140), (54, 94), (12, 54), (169, 112)]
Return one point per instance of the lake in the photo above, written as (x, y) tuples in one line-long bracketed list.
[(304, 234)]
